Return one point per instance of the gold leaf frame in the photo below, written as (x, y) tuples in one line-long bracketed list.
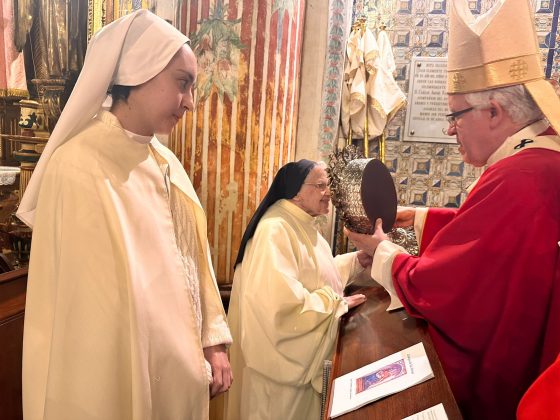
[(97, 16), (102, 12)]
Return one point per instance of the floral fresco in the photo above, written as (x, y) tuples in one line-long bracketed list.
[(217, 45), (244, 123)]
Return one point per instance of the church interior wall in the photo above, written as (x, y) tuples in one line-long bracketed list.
[(266, 96), (243, 127)]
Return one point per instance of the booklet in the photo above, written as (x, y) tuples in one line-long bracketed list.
[(379, 379), (437, 412)]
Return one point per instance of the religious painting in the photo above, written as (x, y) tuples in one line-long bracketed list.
[(102, 12), (217, 46), (381, 376), (244, 123)]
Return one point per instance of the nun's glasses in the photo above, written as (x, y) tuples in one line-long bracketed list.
[(321, 186)]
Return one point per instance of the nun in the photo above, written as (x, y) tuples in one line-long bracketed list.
[(123, 317), (287, 300)]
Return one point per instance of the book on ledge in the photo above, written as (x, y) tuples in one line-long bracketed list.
[(379, 379)]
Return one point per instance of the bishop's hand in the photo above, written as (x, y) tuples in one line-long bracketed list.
[(368, 243), (405, 216)]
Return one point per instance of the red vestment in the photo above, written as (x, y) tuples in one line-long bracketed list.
[(487, 281), (542, 400)]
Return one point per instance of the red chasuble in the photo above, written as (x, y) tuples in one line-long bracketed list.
[(488, 283), (542, 400)]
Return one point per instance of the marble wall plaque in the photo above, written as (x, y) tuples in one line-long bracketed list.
[(427, 101)]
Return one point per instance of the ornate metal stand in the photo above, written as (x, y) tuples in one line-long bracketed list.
[(345, 171)]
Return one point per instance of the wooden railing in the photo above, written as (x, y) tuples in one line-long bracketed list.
[(12, 306)]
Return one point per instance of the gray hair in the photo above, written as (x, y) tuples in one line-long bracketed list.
[(516, 100)]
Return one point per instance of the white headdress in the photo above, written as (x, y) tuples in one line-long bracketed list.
[(129, 51)]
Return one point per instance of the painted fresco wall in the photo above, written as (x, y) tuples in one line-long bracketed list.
[(434, 174), (244, 125)]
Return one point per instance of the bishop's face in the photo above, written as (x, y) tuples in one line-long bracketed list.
[(314, 195), (472, 131)]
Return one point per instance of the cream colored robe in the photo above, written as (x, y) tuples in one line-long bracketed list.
[(369, 81), (284, 312), (354, 86), (386, 58), (110, 328)]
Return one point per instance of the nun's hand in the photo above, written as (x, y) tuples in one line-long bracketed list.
[(222, 376), (364, 258), (354, 300)]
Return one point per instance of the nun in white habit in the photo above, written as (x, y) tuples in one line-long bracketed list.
[(287, 300), (123, 316)]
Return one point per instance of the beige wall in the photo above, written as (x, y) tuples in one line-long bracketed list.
[(313, 75), (311, 82)]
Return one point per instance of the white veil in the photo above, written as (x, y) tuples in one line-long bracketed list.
[(129, 51)]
